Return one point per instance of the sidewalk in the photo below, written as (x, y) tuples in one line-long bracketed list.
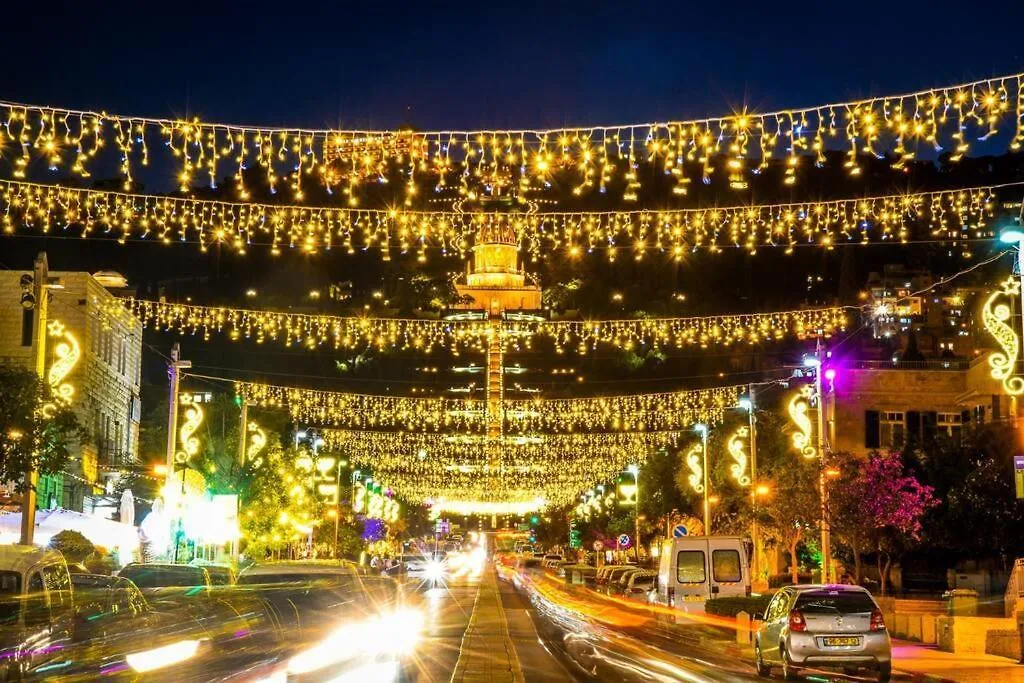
[(487, 654), (929, 663)]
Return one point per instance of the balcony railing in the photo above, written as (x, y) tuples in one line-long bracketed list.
[(939, 364)]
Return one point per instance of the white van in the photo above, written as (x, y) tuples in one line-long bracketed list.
[(695, 568)]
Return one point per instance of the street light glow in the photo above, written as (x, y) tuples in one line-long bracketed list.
[(1012, 234), (746, 404), (701, 428)]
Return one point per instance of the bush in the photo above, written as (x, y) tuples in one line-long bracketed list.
[(73, 545), (780, 580), (731, 606)]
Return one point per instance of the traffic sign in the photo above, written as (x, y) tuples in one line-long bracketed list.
[(679, 531), (624, 541), (1018, 475), (598, 546)]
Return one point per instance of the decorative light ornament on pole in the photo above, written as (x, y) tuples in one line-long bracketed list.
[(995, 317), (705, 484)]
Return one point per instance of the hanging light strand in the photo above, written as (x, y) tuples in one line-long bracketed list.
[(958, 214), (317, 331), (947, 118)]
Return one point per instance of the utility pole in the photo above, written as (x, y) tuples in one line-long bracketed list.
[(174, 369), (826, 526), (702, 429), (243, 425), (40, 275), (755, 531)]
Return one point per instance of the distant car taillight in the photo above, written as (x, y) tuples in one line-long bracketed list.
[(877, 622), (797, 622)]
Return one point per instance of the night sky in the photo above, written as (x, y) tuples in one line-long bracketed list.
[(488, 64)]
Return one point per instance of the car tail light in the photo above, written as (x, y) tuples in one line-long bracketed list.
[(877, 622), (797, 622)]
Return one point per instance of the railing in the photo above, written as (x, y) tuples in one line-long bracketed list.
[(941, 364), (1014, 588)]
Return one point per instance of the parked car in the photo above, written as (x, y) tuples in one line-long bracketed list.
[(155, 579), (105, 605), (552, 560), (834, 626), (220, 574), (695, 568), (36, 608), (601, 578), (641, 582)]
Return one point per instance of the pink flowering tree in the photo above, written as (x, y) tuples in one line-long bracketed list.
[(877, 505)]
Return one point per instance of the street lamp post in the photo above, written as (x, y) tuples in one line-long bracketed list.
[(702, 429), (635, 471)]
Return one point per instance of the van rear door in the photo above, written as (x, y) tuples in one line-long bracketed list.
[(691, 579), (729, 574)]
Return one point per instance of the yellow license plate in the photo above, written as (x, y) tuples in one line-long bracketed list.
[(840, 641)]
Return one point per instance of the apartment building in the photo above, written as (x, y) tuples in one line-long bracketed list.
[(105, 378)]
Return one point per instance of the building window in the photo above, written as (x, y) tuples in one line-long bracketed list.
[(950, 423), (892, 429), (27, 320)]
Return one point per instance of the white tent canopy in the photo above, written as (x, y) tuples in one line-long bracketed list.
[(102, 532)]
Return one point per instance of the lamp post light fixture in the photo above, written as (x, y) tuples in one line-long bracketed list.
[(1014, 234), (702, 429)]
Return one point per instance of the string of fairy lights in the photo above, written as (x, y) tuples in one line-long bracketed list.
[(89, 213), (663, 411), (543, 451), (315, 331), (948, 118), (552, 467)]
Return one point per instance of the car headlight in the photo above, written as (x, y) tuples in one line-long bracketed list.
[(395, 633), (164, 656), (435, 570)]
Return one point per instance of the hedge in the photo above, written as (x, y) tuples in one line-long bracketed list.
[(731, 606)]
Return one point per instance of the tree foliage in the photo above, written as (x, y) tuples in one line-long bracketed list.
[(73, 545), (27, 436), (878, 505)]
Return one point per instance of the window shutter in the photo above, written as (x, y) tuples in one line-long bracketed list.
[(913, 426), (929, 421), (872, 429)]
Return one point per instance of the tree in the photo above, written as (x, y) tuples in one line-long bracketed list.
[(877, 504), (28, 434), (793, 510), (73, 545)]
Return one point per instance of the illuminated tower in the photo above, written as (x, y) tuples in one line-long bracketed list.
[(495, 280)]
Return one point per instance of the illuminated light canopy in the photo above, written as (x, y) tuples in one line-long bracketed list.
[(555, 467), (636, 412), (736, 446), (476, 507), (799, 408), (102, 214), (313, 331), (994, 316), (590, 158)]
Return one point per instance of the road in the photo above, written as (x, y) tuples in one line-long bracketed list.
[(480, 629)]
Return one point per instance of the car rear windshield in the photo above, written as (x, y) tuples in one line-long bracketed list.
[(843, 602), (10, 598), (293, 577), (157, 577)]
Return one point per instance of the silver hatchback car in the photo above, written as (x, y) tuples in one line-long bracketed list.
[(823, 626)]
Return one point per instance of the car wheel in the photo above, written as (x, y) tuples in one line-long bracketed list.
[(789, 672), (885, 672), (763, 669)]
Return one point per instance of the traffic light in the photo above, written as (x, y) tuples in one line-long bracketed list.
[(534, 519)]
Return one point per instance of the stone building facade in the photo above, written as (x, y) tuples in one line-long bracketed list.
[(881, 404), (106, 377)]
